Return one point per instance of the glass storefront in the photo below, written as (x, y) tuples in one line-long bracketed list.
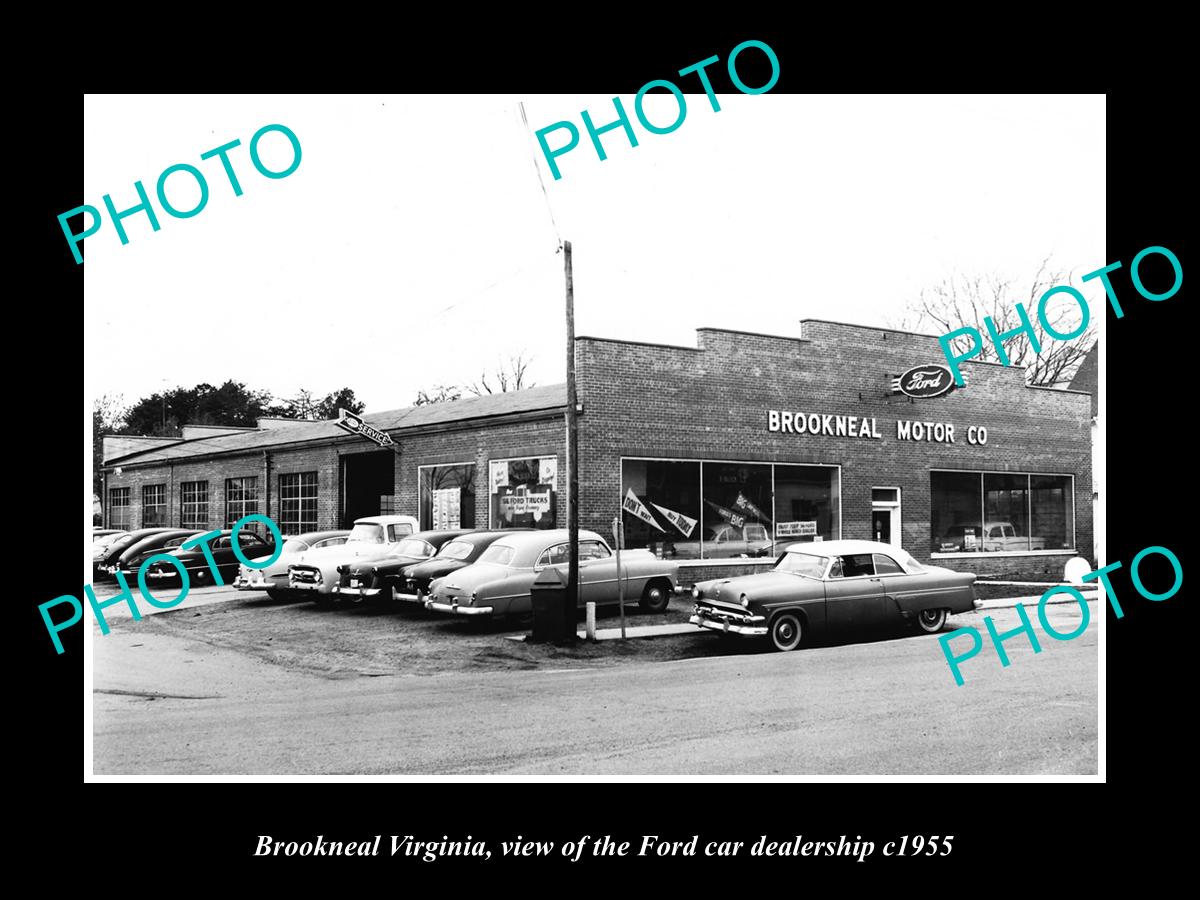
[(994, 512), (522, 492), (447, 497), (683, 509)]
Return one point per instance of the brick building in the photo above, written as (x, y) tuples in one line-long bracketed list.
[(717, 454)]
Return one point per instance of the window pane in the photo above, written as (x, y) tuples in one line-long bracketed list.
[(522, 492), (857, 564), (154, 505), (955, 511), (806, 504), (1005, 504), (241, 499), (663, 513), (447, 497), (1053, 524), (119, 509), (885, 565), (737, 511), (298, 502), (193, 505), (884, 495)]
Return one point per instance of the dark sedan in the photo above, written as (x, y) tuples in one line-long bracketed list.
[(104, 557), (454, 555), (384, 578), (197, 566), (159, 542)]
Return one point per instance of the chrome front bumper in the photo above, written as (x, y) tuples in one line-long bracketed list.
[(253, 584), (411, 598), (357, 591), (455, 610), (729, 623)]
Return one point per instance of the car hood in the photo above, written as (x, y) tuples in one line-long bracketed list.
[(341, 554), (761, 586)]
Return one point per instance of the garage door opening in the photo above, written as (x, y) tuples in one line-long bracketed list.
[(365, 478)]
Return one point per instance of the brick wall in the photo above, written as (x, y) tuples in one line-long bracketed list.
[(712, 402)]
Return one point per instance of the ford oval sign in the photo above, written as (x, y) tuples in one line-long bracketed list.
[(925, 381)]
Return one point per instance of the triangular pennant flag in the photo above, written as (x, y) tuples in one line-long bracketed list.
[(635, 506), (679, 520)]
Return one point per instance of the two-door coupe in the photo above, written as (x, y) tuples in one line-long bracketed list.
[(831, 586), (274, 578), (379, 578), (499, 583), (457, 554)]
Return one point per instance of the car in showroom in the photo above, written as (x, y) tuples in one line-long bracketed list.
[(378, 579), (498, 583), (833, 586), (274, 578), (457, 554), (372, 537), (723, 541), (195, 562), (997, 537)]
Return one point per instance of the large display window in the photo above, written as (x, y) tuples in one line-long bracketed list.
[(447, 497), (522, 492), (694, 509), (1001, 512)]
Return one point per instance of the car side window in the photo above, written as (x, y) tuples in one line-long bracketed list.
[(222, 543), (857, 564), (555, 556), (996, 532), (400, 531), (330, 542), (592, 550), (246, 538), (835, 570), (756, 533), (885, 565)]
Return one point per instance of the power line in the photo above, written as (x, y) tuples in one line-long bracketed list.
[(538, 170)]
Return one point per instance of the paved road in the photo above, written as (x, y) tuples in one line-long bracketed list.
[(166, 705)]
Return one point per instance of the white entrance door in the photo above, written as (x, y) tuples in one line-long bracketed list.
[(885, 515)]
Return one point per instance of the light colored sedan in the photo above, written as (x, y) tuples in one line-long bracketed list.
[(498, 584), (274, 578)]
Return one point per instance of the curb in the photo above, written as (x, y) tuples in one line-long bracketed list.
[(1013, 602)]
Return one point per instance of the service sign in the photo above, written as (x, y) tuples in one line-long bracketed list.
[(354, 424), (923, 382)]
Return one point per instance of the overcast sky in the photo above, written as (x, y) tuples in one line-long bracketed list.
[(413, 245)]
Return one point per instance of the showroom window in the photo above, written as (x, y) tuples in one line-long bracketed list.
[(1001, 512), (298, 502), (193, 505), (447, 496), (241, 499), (119, 511), (684, 509), (522, 492), (154, 505)]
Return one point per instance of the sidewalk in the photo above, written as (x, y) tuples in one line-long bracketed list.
[(1035, 599)]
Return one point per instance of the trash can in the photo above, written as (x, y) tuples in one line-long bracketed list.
[(548, 596)]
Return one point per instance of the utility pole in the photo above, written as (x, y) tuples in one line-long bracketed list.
[(572, 598)]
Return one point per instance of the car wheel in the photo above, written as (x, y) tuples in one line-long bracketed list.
[(786, 631), (655, 597), (931, 621)]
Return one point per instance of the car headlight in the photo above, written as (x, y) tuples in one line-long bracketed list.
[(697, 593), (745, 601)]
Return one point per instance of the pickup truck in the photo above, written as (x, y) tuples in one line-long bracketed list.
[(997, 537)]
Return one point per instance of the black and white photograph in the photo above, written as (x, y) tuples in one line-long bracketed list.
[(702, 434)]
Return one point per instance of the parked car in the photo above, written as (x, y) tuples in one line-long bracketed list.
[(371, 538), (224, 559), (833, 586), (997, 536), (161, 542), (454, 555), (498, 583), (98, 533), (104, 562), (380, 578), (274, 578), (723, 541)]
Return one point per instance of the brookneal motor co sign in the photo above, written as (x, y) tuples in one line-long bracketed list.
[(923, 382), (354, 424)]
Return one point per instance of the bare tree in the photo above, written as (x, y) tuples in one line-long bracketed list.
[(442, 393), (508, 376), (962, 300)]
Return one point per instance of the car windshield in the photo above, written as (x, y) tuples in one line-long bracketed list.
[(292, 545), (805, 564), (366, 533), (413, 547), (498, 554), (455, 550)]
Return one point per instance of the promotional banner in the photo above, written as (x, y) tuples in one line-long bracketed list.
[(679, 520), (635, 506)]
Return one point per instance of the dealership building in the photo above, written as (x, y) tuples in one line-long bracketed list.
[(713, 455)]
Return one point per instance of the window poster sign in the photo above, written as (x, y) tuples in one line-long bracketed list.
[(631, 504), (684, 523), (523, 501), (447, 509), (796, 529)]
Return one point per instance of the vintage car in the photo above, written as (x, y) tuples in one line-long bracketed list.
[(381, 577), (997, 536), (161, 542), (830, 586), (104, 562), (498, 583), (224, 559), (274, 578), (723, 541), (454, 555), (98, 533), (372, 537)]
